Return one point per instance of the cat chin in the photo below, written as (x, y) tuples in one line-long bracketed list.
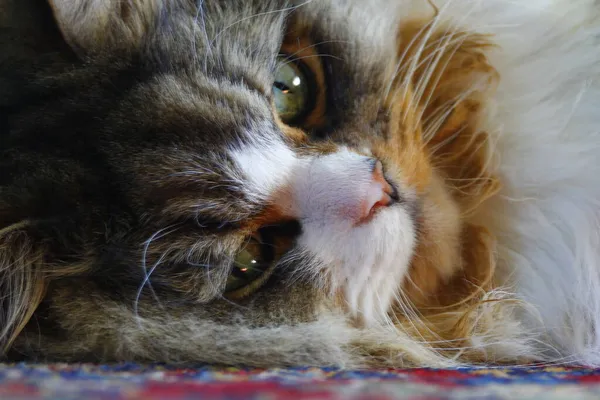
[(365, 263)]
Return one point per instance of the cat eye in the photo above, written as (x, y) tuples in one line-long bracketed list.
[(252, 266), (255, 263), (292, 90)]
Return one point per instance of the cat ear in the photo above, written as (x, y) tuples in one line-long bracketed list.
[(96, 25), (22, 283)]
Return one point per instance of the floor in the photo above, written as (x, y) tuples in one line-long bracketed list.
[(131, 381)]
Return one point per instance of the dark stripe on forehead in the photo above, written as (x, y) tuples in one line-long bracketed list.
[(235, 39), (61, 109)]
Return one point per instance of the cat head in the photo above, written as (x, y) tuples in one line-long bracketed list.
[(240, 165)]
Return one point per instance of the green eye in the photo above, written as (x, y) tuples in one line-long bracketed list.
[(251, 268), (291, 91)]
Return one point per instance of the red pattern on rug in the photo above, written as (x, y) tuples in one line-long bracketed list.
[(132, 381)]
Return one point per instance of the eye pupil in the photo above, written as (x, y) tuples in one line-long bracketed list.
[(281, 86), (249, 265)]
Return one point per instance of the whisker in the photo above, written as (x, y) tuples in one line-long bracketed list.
[(200, 16), (310, 56), (155, 236), (282, 10), (141, 288), (416, 57), (290, 56), (433, 125), (399, 67)]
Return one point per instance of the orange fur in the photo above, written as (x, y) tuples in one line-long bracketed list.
[(441, 92)]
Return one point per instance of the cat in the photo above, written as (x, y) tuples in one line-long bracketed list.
[(348, 183)]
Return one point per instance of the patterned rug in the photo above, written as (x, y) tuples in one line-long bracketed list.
[(129, 381)]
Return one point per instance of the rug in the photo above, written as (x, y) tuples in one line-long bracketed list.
[(130, 381)]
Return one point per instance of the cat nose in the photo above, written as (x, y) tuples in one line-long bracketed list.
[(379, 192), (341, 187)]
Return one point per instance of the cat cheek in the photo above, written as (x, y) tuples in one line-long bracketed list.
[(364, 265)]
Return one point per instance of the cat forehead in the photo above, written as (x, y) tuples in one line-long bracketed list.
[(233, 36), (214, 115), (218, 137), (357, 62)]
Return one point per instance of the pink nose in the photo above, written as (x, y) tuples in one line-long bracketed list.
[(379, 193), (342, 187)]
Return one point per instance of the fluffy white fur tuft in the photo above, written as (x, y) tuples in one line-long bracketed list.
[(545, 129)]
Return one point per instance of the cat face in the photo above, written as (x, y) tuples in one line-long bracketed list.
[(240, 166)]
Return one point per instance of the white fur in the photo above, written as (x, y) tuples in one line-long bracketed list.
[(366, 261), (266, 164), (545, 128), (328, 195)]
